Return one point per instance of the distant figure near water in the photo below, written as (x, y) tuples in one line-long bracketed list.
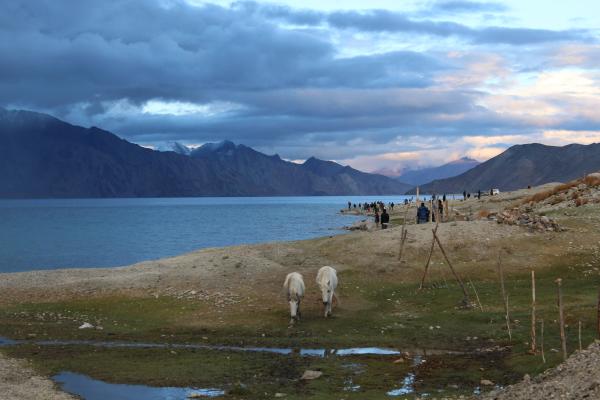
[(376, 217), (422, 214), (294, 287), (385, 219), (327, 281)]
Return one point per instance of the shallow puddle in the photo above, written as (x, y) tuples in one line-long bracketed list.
[(213, 370), (352, 351), (93, 389)]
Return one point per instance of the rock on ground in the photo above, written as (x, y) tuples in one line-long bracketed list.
[(577, 378), (19, 382)]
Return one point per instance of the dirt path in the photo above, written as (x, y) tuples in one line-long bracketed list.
[(19, 382)]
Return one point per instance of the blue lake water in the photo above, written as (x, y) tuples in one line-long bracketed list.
[(63, 233)]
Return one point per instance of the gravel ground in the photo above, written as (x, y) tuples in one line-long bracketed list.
[(19, 382), (577, 378)]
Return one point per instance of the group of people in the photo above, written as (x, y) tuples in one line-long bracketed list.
[(382, 218), (492, 192), (423, 213)]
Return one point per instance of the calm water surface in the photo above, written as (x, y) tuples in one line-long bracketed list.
[(63, 233)]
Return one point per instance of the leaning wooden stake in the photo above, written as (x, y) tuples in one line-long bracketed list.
[(533, 338), (476, 294), (504, 298), (561, 317), (402, 241), (542, 340), (428, 259), (403, 234), (460, 282)]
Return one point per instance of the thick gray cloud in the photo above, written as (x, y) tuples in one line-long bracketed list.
[(398, 22), (85, 60), (464, 6)]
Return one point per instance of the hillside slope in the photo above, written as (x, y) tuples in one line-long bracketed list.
[(523, 165), (43, 157)]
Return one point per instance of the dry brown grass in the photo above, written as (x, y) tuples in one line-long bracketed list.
[(541, 196), (592, 180), (482, 214)]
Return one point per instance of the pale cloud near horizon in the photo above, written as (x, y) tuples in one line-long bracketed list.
[(382, 85)]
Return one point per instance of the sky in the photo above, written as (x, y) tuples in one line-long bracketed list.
[(381, 85)]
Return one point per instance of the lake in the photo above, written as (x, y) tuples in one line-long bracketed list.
[(67, 233)]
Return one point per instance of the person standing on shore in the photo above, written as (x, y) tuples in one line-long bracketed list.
[(422, 214), (385, 219), (376, 217)]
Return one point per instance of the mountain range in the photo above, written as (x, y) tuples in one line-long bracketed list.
[(523, 165), (426, 175), (44, 157)]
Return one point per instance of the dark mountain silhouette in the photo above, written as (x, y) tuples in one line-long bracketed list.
[(426, 175), (42, 156), (523, 165)]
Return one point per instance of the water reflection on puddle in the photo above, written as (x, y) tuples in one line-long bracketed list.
[(354, 351), (93, 389), (408, 383)]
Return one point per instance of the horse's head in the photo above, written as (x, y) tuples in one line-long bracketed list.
[(326, 293), (293, 308)]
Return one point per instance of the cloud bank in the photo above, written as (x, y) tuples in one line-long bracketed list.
[(365, 87)]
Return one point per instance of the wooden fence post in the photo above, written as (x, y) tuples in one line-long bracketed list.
[(542, 340), (579, 336), (598, 314), (533, 336), (504, 298), (561, 317)]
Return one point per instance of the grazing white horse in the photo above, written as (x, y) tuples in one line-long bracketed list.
[(294, 287), (327, 281)]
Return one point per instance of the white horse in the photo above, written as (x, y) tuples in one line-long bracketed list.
[(327, 281), (294, 287)]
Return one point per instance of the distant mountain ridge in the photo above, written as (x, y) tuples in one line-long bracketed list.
[(523, 165), (44, 157), (448, 170)]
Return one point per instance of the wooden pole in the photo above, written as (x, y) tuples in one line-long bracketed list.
[(533, 338), (504, 298), (428, 259), (460, 282), (561, 317), (446, 215), (598, 314), (542, 340), (403, 234), (417, 199), (579, 336), (402, 241), (476, 295), (430, 211)]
